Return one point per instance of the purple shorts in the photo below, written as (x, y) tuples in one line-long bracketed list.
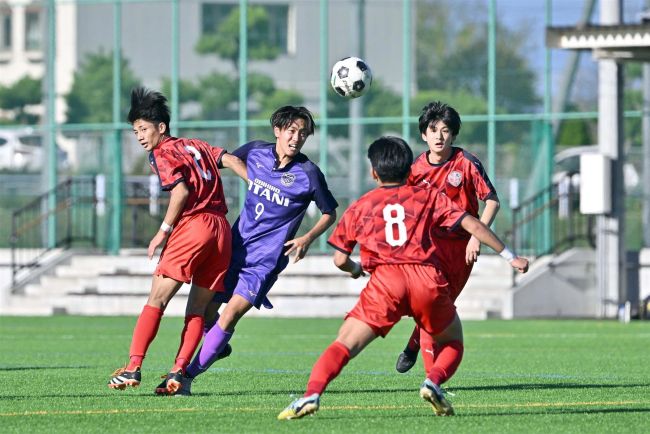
[(251, 283)]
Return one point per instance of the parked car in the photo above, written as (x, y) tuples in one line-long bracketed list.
[(22, 149)]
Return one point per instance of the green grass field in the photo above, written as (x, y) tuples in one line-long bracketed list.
[(517, 376)]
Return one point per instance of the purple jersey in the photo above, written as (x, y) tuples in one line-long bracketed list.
[(276, 201)]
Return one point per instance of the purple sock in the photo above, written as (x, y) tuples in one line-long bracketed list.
[(213, 344), (209, 324)]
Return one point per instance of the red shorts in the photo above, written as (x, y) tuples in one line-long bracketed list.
[(453, 264), (420, 291), (198, 250)]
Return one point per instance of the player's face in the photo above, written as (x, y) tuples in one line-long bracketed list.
[(438, 137), (291, 139), (148, 133)]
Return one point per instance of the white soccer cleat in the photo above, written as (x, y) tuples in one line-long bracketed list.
[(301, 407), (429, 391)]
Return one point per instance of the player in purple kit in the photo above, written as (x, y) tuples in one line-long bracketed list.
[(282, 184)]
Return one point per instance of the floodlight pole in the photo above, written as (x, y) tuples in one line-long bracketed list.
[(611, 279), (357, 175), (49, 86), (645, 120), (118, 175)]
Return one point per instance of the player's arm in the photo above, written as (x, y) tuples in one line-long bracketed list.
[(235, 164), (344, 263), (178, 196), (490, 211), (301, 244), (486, 236)]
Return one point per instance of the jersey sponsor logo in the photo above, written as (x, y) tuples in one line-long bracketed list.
[(258, 165), (287, 179), (455, 178), (269, 192)]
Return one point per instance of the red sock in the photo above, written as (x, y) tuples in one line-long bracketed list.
[(190, 338), (143, 334), (448, 357), (427, 347), (327, 367), (413, 344)]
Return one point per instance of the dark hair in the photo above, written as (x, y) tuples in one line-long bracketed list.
[(284, 116), (438, 111), (391, 158), (148, 105)]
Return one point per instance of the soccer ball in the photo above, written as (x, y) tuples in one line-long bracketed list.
[(351, 77)]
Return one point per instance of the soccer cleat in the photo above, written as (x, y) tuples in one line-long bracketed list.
[(184, 390), (301, 407), (227, 350), (406, 360), (431, 392), (122, 378), (171, 384), (186, 387)]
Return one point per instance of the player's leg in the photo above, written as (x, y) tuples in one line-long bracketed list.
[(427, 348), (449, 353), (380, 307), (219, 335), (409, 355), (433, 309), (162, 290), (197, 302), (211, 314), (353, 337)]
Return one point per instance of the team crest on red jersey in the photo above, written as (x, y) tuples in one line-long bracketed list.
[(455, 178), (287, 179)]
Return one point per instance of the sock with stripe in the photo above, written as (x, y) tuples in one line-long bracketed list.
[(448, 357)]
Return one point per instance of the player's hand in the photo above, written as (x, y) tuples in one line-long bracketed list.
[(521, 264), (472, 251), (298, 245), (156, 241), (358, 271)]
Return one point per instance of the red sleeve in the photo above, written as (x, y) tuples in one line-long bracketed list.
[(482, 185), (343, 237), (218, 153), (169, 169)]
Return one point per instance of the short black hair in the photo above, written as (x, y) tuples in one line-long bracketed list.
[(438, 111), (148, 105), (391, 158), (285, 116)]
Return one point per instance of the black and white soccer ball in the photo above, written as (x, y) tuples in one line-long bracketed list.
[(351, 77)]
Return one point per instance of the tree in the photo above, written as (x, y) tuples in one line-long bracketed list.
[(91, 98), (18, 97), (453, 56), (224, 40)]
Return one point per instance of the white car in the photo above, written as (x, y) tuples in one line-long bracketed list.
[(22, 149)]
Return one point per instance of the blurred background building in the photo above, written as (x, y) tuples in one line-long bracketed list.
[(67, 67)]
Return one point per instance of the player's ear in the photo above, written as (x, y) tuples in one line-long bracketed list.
[(276, 132), (162, 128), (374, 175)]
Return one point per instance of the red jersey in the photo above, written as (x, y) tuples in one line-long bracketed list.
[(396, 225), (195, 163), (461, 178)]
